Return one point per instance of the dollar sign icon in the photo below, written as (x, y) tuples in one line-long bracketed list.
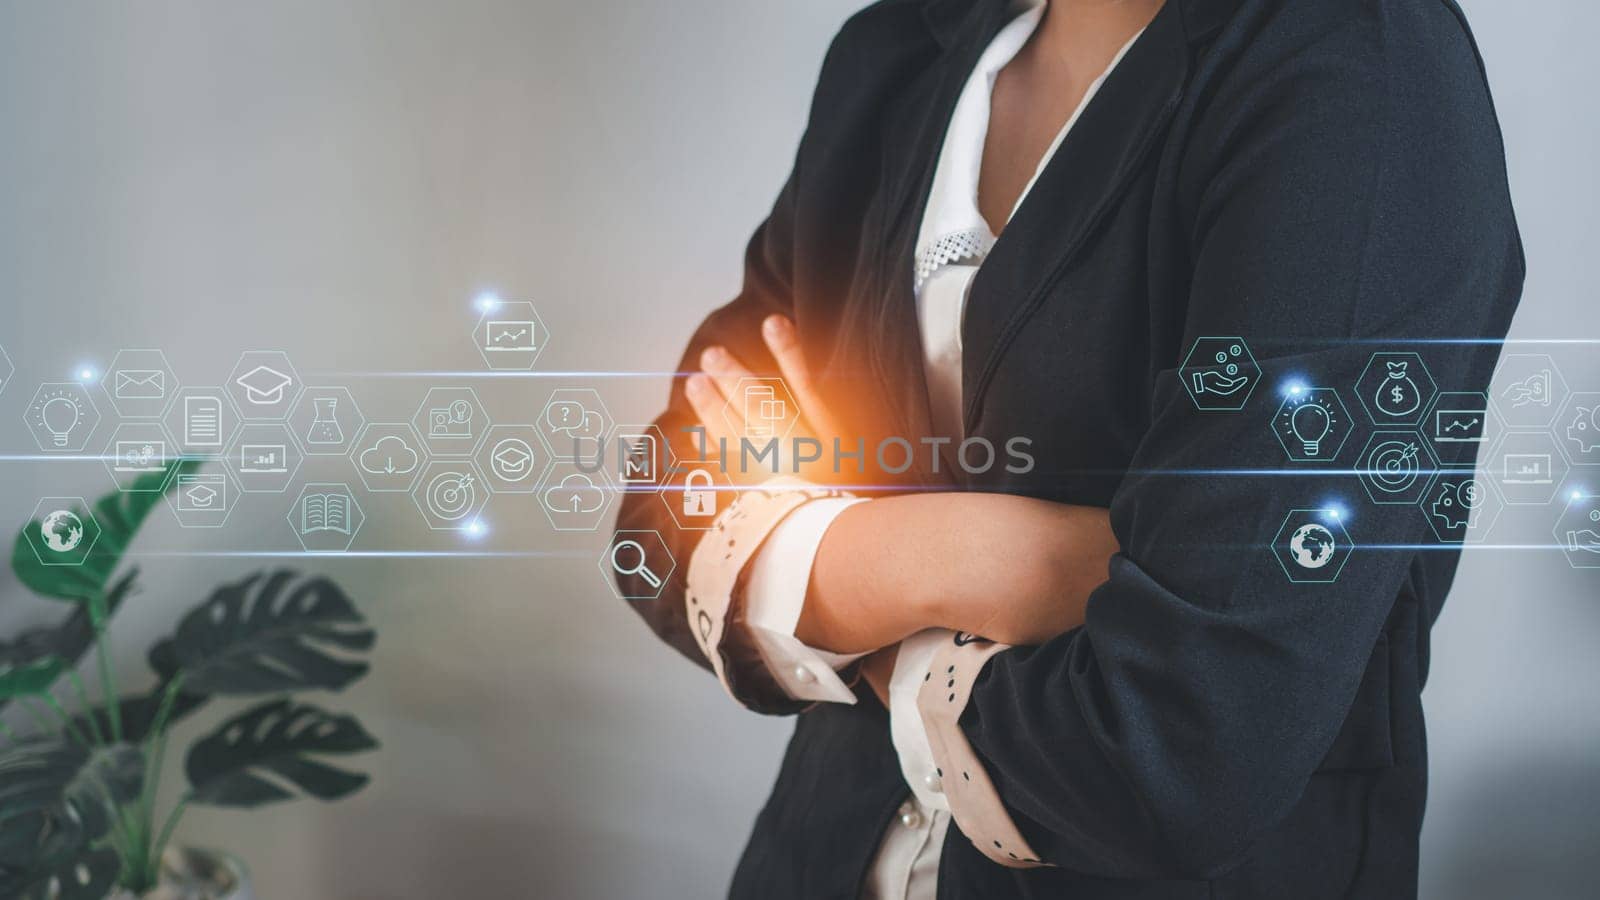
[(1397, 395)]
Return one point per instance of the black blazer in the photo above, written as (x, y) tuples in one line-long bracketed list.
[(1323, 177)]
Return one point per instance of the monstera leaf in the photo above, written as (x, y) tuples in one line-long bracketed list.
[(250, 758), (67, 642), (57, 798), (84, 874), (119, 516), (269, 633), (31, 678)]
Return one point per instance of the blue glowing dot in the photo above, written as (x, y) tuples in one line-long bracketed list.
[(487, 301), (85, 374), (475, 528)]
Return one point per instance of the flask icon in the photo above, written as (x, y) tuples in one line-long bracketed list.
[(1397, 395), (325, 423)]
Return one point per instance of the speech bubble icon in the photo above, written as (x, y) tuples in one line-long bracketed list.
[(564, 415)]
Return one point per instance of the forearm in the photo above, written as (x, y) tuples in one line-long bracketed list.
[(1014, 569)]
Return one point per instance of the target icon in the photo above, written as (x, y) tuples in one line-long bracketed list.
[(1394, 467), (450, 495)]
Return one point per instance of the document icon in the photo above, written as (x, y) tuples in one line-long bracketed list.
[(638, 457), (140, 384), (517, 334), (202, 421)]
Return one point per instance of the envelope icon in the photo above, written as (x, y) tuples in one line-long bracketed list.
[(140, 384)]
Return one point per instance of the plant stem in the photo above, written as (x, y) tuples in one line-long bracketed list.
[(39, 719), (66, 720), (88, 708), (97, 617), (5, 731), (156, 741), (166, 832)]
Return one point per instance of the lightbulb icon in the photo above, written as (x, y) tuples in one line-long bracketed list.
[(61, 416), (1310, 424)]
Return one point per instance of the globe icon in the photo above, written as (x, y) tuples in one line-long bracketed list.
[(1312, 546), (62, 531)]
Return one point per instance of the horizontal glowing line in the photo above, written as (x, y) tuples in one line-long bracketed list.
[(495, 374), (370, 554)]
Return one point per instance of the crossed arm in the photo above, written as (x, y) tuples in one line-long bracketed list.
[(1014, 569)]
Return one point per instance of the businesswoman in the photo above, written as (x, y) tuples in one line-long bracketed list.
[(1088, 675)]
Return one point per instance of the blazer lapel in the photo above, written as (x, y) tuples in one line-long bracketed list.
[(913, 139), (1087, 175)]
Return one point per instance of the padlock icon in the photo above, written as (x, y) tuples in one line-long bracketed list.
[(699, 497)]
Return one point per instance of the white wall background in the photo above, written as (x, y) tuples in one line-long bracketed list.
[(338, 179)]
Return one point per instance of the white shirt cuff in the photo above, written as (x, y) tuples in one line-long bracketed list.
[(909, 735), (775, 594)]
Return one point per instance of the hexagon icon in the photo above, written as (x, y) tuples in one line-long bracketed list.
[(1396, 388), (637, 565), (510, 335), (1220, 374), (1528, 390), (139, 383), (1312, 424), (1312, 546), (760, 410), (264, 385), (388, 457), (1459, 426), (1460, 507), (694, 493), (512, 458), (62, 531), (574, 499), (1528, 467), (1578, 429), (639, 459), (326, 420), (451, 421), (203, 499), (574, 423), (1577, 531), (202, 421), (137, 456), (6, 369), (263, 457), (1394, 467), (325, 517), (61, 417), (450, 494)]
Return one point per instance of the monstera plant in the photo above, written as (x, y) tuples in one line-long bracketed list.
[(79, 776)]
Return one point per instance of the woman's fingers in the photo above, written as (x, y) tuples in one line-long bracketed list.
[(709, 405), (782, 340), (724, 368)]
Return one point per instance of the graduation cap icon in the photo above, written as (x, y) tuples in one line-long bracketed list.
[(263, 385)]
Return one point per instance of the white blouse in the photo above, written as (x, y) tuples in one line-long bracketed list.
[(952, 243)]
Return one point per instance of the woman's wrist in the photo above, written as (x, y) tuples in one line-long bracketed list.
[(852, 603)]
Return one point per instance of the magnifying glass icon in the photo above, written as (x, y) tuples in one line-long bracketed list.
[(639, 568)]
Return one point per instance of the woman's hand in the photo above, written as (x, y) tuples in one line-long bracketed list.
[(711, 390)]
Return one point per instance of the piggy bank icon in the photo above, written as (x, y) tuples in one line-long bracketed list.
[(1584, 430)]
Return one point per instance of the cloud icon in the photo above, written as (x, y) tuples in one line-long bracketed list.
[(391, 455), (575, 494)]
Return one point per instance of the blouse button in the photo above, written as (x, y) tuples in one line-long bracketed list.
[(933, 782), (803, 675), (909, 817)]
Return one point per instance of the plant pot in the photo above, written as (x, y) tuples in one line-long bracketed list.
[(189, 873)]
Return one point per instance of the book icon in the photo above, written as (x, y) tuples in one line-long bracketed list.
[(325, 512)]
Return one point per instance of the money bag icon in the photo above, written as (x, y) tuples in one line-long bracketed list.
[(1397, 395)]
